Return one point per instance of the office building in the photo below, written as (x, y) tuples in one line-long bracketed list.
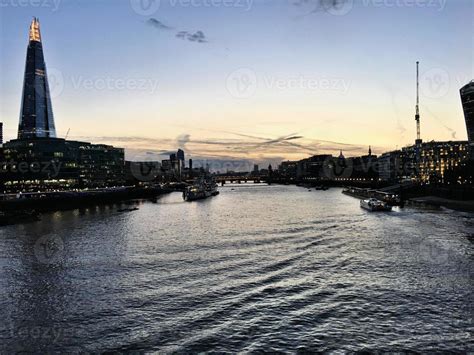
[(36, 116)]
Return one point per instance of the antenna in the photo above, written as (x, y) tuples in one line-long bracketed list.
[(417, 109)]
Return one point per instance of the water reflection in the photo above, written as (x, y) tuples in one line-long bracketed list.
[(257, 267)]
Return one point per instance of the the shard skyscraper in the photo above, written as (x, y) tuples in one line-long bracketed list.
[(36, 116)]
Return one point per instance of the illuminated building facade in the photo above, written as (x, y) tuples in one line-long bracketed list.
[(437, 158), (45, 164), (36, 116)]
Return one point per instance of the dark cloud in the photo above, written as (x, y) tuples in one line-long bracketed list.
[(313, 6), (198, 36), (158, 24)]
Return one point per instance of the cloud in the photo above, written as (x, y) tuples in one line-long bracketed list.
[(158, 24), (182, 140), (198, 36), (314, 6), (244, 147)]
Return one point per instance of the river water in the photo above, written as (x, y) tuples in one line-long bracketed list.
[(257, 268)]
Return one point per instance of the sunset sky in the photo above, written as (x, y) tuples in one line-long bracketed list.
[(258, 81)]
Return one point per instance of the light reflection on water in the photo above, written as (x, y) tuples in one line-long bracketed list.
[(275, 268)]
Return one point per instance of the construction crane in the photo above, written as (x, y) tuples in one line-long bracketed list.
[(417, 109)]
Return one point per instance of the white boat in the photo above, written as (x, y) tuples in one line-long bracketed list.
[(372, 204), (202, 188)]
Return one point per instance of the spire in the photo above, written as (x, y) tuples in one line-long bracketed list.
[(370, 150), (35, 34)]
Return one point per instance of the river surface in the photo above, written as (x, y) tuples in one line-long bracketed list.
[(257, 268)]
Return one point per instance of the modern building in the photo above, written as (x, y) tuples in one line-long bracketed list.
[(1, 133), (181, 159), (437, 158), (36, 116), (37, 160), (467, 99), (43, 164)]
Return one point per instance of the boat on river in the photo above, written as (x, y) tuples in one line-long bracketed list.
[(203, 188), (373, 205)]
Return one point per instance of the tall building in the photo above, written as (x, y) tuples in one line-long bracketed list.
[(467, 99), (36, 116), (1, 133), (180, 156)]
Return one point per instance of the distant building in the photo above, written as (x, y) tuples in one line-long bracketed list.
[(1, 133), (255, 169), (288, 169), (467, 99), (36, 117), (166, 165), (43, 164), (314, 167), (397, 165), (180, 156)]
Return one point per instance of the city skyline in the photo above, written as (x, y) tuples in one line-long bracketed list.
[(244, 110)]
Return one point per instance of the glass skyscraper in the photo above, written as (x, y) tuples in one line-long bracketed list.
[(36, 116), (467, 98)]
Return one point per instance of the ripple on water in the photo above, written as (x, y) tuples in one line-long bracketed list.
[(260, 268)]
